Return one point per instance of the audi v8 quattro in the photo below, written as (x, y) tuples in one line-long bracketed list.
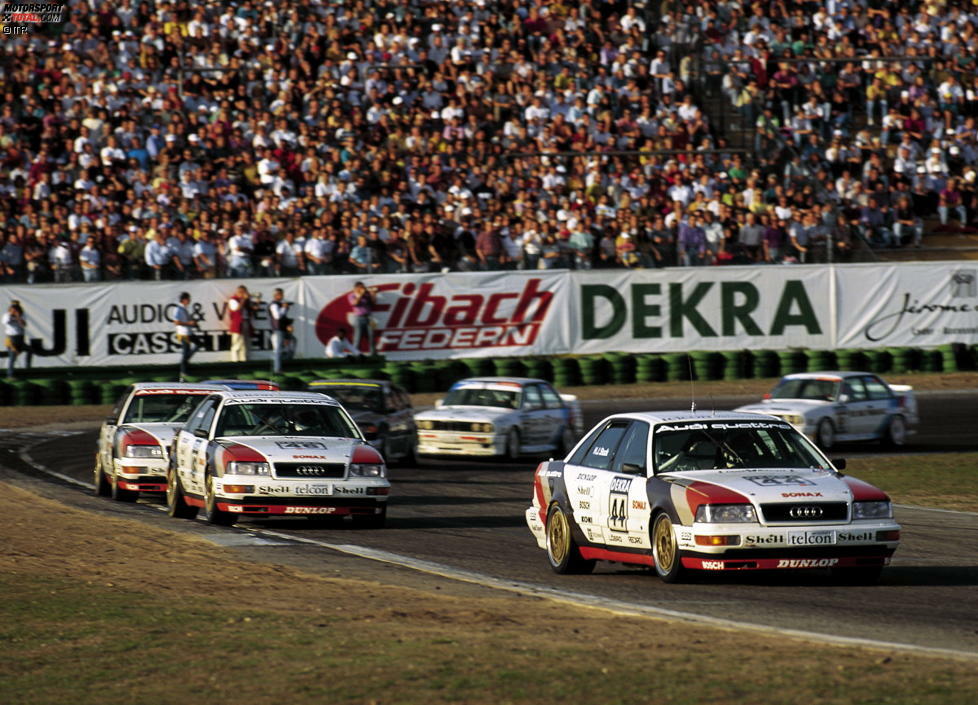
[(134, 440), (275, 454), (680, 491)]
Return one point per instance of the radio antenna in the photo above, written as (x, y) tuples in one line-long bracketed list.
[(692, 393)]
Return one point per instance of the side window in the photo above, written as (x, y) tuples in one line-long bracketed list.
[(405, 400), (601, 453), (550, 398), (203, 416), (855, 388), (633, 449), (531, 397), (876, 389)]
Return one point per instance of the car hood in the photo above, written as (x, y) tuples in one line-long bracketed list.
[(765, 485), (479, 414), (161, 431), (287, 448), (777, 407)]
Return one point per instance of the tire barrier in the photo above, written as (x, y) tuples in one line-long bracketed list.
[(623, 367), (737, 364), (650, 368), (567, 371), (539, 368), (594, 370), (767, 364), (793, 361)]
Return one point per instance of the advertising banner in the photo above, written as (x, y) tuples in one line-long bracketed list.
[(915, 304), (703, 308)]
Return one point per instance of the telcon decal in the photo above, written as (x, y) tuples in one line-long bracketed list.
[(431, 316)]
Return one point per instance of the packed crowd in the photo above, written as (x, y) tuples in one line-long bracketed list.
[(878, 99), (183, 140)]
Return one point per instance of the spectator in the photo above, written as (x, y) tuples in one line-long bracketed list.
[(281, 323), (339, 345), (91, 261), (160, 258), (185, 325), (240, 310), (14, 331), (361, 301)]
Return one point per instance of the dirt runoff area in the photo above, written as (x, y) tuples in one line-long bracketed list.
[(84, 416), (101, 608)]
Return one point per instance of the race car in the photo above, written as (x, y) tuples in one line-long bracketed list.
[(833, 407), (134, 440), (684, 491), (275, 454), (381, 409), (501, 416)]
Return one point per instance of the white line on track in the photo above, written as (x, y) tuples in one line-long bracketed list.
[(618, 607)]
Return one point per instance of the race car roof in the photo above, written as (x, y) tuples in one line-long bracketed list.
[(271, 397), (660, 417), (175, 388), (497, 380), (827, 374)]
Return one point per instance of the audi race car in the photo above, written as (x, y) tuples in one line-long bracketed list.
[(833, 407), (275, 454), (134, 440), (681, 491), (507, 416), (381, 409)]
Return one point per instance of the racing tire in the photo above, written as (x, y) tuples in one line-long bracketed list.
[(213, 515), (862, 575), (102, 487), (370, 521), (512, 450), (825, 434), (665, 551), (120, 494), (896, 433), (562, 550), (176, 503)]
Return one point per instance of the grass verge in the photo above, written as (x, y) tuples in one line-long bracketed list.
[(160, 617), (943, 480)]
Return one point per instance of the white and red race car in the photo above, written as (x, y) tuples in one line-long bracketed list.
[(134, 440), (681, 491), (251, 453)]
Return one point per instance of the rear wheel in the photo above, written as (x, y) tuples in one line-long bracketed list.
[(562, 550), (896, 433), (176, 503), (665, 551), (120, 494), (825, 435), (102, 487), (212, 514), (371, 521)]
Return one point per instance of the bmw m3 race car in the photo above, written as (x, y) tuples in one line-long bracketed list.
[(134, 440), (381, 409), (681, 491), (275, 454), (502, 416), (835, 407)]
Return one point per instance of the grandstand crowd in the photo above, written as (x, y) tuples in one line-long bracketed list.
[(170, 140)]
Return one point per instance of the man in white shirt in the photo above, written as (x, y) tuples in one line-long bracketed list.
[(185, 325), (278, 315), (339, 345), (240, 246), (91, 261)]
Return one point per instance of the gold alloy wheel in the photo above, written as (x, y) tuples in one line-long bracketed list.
[(664, 543), (558, 537)]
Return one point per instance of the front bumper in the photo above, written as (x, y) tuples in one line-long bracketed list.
[(141, 474), (246, 494), (460, 443)]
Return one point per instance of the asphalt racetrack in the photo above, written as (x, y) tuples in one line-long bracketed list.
[(469, 516)]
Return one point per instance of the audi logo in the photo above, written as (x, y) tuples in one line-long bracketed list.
[(805, 512), (307, 470)]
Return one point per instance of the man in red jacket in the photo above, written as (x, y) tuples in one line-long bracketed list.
[(240, 308)]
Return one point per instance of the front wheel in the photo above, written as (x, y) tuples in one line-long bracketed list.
[(512, 451), (370, 521), (212, 514), (562, 550), (825, 435), (896, 433), (665, 551), (102, 487), (119, 494), (176, 503)]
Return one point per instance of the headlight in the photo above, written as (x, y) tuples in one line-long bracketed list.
[(725, 513), (143, 452), (426, 424), (872, 510), (367, 470), (487, 428), (238, 467), (795, 419)]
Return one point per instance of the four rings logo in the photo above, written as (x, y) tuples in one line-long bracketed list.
[(805, 512), (307, 470), (412, 316)]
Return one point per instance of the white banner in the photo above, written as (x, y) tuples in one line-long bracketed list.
[(916, 304), (487, 314)]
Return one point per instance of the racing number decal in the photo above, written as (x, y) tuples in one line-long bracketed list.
[(618, 503)]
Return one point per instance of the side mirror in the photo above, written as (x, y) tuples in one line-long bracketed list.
[(439, 403), (200, 432), (632, 469), (839, 463)]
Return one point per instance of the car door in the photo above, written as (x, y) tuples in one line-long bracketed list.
[(628, 502), (400, 419), (589, 479), (855, 417), (557, 415), (533, 416), (880, 404), (192, 445)]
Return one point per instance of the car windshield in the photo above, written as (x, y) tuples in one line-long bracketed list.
[(818, 389), (155, 408), (476, 396), (285, 420), (719, 445), (354, 397)]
